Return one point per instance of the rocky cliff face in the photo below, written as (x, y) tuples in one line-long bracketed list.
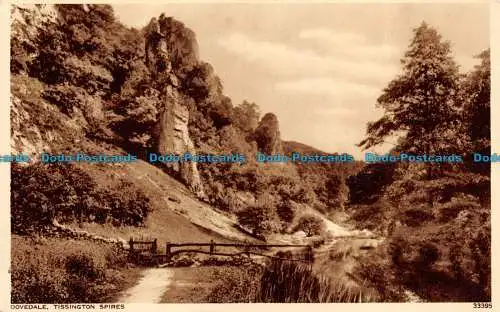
[(26, 136), (28, 19), (267, 135), (173, 134), (37, 123), (174, 138), (27, 23)]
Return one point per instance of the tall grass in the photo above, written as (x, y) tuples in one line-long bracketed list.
[(285, 282)]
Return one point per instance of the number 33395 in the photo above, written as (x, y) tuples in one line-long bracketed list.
[(484, 305)]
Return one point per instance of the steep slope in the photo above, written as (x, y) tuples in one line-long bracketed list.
[(176, 213)]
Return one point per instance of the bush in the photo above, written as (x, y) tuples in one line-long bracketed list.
[(20, 59), (292, 282), (56, 271), (256, 218), (366, 186), (417, 217), (447, 262), (378, 271), (448, 211), (42, 192), (374, 217), (236, 285), (311, 225), (140, 117), (286, 211), (83, 266)]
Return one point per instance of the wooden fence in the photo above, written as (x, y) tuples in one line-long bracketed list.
[(147, 251)]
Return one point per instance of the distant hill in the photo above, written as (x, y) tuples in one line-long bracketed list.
[(294, 146), (327, 179)]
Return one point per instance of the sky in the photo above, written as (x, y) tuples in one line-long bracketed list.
[(319, 67)]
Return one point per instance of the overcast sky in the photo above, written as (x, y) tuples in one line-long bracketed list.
[(320, 66)]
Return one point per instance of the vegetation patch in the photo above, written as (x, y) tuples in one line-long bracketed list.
[(50, 270), (43, 192), (284, 282)]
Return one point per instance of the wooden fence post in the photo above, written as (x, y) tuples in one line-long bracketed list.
[(212, 246), (168, 252), (131, 244), (247, 250), (154, 247), (310, 254)]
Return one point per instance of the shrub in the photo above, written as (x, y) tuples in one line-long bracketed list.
[(254, 218), (428, 255), (236, 285), (450, 210), (286, 211), (19, 55), (42, 192), (378, 271), (439, 262), (311, 225), (375, 217), (416, 217), (366, 186), (54, 271), (293, 282)]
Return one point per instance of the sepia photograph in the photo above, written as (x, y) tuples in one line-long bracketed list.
[(267, 152)]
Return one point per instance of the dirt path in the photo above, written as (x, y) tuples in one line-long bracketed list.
[(191, 284), (151, 286)]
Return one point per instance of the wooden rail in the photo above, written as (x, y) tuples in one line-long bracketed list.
[(150, 249), (234, 245)]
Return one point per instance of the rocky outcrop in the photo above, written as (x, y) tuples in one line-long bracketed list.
[(27, 22), (26, 138), (267, 135), (28, 19), (174, 138), (173, 135)]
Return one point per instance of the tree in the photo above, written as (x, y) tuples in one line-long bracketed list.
[(254, 218), (366, 187), (286, 211), (475, 96), (419, 103), (246, 116), (311, 225)]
